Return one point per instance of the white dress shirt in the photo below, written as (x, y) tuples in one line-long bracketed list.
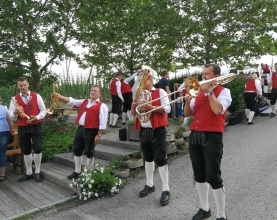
[(118, 89), (41, 106), (224, 98), (164, 101), (103, 116)]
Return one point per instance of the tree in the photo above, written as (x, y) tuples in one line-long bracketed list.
[(123, 35), (30, 28), (230, 31)]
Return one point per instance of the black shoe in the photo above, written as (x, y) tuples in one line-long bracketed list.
[(272, 115), (25, 178), (38, 178), (251, 123), (246, 119), (146, 191), (2, 178), (202, 214), (73, 175), (110, 125), (165, 198), (115, 126), (123, 123), (221, 218)]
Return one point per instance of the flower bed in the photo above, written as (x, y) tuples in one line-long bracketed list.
[(98, 183)]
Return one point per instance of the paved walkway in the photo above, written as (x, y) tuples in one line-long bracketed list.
[(248, 170)]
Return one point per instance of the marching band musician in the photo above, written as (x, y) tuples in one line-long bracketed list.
[(92, 121), (272, 87), (252, 87), (128, 97), (153, 139), (117, 99), (29, 130), (205, 142)]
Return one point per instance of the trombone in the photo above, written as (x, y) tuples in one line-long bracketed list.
[(192, 85)]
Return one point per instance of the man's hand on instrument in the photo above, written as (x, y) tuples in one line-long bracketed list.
[(187, 98), (32, 119)]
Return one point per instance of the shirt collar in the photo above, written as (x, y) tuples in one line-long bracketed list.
[(28, 94)]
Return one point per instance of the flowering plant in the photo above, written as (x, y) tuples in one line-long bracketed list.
[(98, 183)]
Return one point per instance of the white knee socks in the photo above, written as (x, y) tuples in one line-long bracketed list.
[(90, 163), (130, 115), (273, 108), (111, 118), (37, 160), (247, 112), (149, 170), (164, 176), (124, 116), (115, 117), (219, 197), (251, 115), (28, 159), (203, 192), (78, 163)]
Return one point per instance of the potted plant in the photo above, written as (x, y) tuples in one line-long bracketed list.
[(134, 160), (98, 183), (132, 134), (119, 167)]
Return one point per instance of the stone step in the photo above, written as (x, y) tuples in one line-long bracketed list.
[(129, 145), (66, 159), (57, 174), (62, 166)]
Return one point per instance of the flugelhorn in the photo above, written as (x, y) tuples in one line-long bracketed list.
[(21, 113), (193, 87), (55, 99)]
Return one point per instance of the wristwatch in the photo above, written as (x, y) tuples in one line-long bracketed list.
[(210, 93), (99, 135)]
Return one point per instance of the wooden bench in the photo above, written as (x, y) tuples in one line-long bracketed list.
[(14, 151)]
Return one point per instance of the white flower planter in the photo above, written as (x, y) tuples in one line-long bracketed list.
[(186, 134), (171, 148), (179, 141), (123, 173), (134, 163), (170, 137)]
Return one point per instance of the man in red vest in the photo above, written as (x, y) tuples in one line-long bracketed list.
[(205, 142), (117, 99), (272, 87), (127, 94), (29, 109), (252, 89), (91, 121), (152, 139), (265, 72)]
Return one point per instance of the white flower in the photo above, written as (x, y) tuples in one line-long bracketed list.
[(80, 196), (74, 183), (71, 185), (89, 186), (96, 194), (92, 181), (84, 193), (89, 196), (85, 169), (81, 185), (85, 198)]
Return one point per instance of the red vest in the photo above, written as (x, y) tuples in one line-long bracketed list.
[(113, 87), (33, 106), (156, 119), (125, 87), (92, 115), (204, 118), (274, 80), (250, 86)]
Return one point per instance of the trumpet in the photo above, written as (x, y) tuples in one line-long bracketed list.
[(21, 113), (193, 88), (55, 99)]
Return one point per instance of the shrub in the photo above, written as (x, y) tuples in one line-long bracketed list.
[(237, 87), (57, 137), (98, 183), (117, 163)]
